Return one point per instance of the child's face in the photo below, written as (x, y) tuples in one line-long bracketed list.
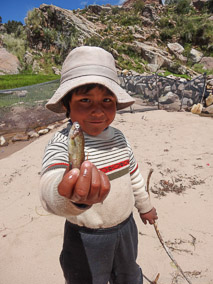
[(94, 110)]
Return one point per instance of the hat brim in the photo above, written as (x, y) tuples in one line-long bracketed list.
[(123, 98)]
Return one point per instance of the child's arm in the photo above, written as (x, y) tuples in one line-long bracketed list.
[(87, 186), (150, 216), (142, 201)]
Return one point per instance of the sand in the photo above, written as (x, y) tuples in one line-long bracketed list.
[(177, 146)]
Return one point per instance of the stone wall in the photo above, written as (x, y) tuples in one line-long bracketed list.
[(164, 90)]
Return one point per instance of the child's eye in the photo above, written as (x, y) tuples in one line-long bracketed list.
[(85, 100), (107, 100)]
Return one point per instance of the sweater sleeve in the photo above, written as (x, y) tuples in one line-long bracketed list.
[(51, 200), (55, 161), (142, 200)]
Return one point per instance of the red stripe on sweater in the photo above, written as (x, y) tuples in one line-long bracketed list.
[(132, 172), (115, 166), (58, 164)]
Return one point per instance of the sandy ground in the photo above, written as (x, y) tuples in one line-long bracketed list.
[(178, 146)]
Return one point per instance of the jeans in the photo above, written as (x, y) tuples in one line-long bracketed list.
[(99, 256)]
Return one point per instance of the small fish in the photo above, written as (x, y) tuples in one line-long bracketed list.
[(76, 146)]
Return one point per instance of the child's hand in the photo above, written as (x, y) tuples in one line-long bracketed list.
[(87, 185), (150, 216)]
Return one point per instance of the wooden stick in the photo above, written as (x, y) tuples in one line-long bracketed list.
[(161, 239)]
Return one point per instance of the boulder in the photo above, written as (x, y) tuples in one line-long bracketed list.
[(207, 62), (9, 63), (43, 131), (152, 67), (169, 98), (195, 55), (56, 70), (3, 141), (187, 102), (175, 48), (197, 108), (208, 109), (28, 58), (20, 137), (33, 134), (97, 9), (209, 100)]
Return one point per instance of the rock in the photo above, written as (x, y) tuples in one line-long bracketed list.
[(208, 109), (21, 94), (181, 87), (97, 9), (33, 134), (36, 68), (187, 102), (20, 137), (3, 141), (114, 53), (167, 89), (174, 67), (125, 72), (150, 12), (43, 131), (175, 48), (195, 55), (209, 100), (152, 67), (9, 63), (146, 22), (168, 98), (210, 82), (28, 58), (197, 108), (188, 94), (207, 62), (150, 53), (171, 77), (51, 127), (56, 70)]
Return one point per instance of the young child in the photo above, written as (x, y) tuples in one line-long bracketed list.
[(100, 236)]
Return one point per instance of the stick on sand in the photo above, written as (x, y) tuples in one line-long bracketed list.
[(161, 239)]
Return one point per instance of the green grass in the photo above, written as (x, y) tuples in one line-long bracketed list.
[(37, 94), (21, 80), (166, 73)]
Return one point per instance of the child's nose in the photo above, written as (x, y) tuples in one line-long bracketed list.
[(97, 110)]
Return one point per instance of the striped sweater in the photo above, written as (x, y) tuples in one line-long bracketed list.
[(110, 153)]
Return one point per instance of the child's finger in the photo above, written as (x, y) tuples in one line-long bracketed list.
[(95, 186), (105, 186), (82, 186), (68, 182)]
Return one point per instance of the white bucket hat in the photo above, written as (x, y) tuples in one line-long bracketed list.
[(88, 65)]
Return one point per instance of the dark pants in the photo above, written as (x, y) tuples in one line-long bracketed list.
[(96, 256)]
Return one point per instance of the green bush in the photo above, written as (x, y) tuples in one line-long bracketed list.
[(16, 46), (166, 34), (166, 22), (138, 5), (129, 20), (115, 10), (12, 26), (209, 5), (183, 7)]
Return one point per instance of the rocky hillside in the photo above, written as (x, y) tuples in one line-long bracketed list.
[(144, 37)]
